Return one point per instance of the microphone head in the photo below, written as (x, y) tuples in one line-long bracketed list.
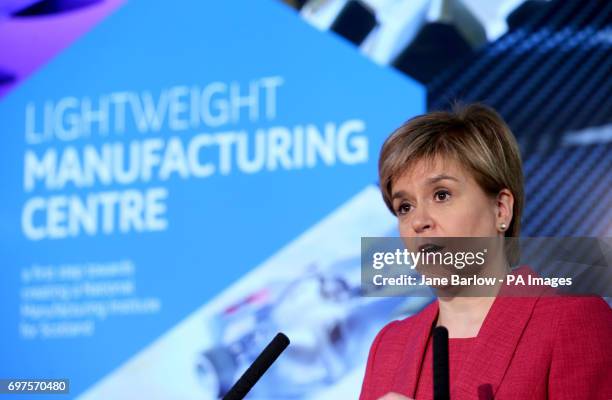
[(441, 376), (440, 335), (280, 342)]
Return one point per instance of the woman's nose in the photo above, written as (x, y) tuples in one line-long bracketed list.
[(422, 221)]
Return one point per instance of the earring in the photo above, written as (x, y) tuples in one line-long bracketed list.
[(502, 226)]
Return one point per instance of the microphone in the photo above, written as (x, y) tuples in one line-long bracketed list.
[(258, 368), (441, 380)]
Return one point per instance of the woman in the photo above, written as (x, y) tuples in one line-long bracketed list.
[(459, 173)]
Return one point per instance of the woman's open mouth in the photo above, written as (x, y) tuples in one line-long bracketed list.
[(430, 248)]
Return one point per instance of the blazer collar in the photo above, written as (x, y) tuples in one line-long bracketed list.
[(490, 357), (406, 376)]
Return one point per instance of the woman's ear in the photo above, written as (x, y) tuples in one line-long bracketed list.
[(505, 205)]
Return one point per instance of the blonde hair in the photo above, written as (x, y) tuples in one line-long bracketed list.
[(475, 136)]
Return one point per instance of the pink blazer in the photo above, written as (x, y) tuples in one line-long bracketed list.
[(527, 348)]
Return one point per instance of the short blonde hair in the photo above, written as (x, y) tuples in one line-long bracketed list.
[(475, 136)]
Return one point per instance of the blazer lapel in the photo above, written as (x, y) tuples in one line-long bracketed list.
[(494, 347), (407, 374)]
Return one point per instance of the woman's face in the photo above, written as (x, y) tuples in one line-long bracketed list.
[(442, 199)]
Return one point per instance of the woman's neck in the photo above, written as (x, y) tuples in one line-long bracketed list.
[(463, 316)]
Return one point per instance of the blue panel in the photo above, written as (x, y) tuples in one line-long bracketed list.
[(218, 227)]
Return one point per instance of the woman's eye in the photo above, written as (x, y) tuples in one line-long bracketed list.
[(442, 195), (403, 209)]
